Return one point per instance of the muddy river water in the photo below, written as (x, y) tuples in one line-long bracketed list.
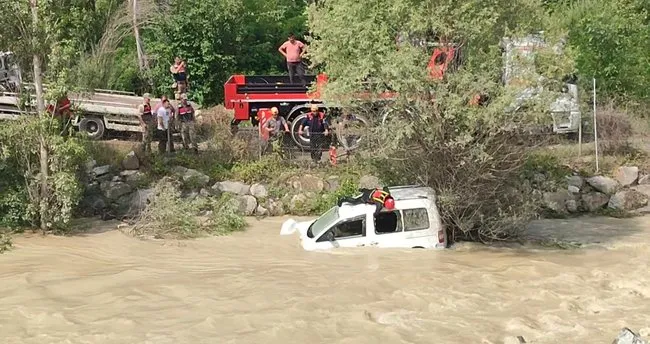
[(259, 287)]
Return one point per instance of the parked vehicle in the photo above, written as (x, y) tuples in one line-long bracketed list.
[(414, 223), (248, 95), (95, 112)]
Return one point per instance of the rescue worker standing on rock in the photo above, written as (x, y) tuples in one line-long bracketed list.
[(318, 129), (147, 122), (188, 127), (378, 197)]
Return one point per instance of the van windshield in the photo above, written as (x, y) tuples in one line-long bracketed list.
[(323, 223)]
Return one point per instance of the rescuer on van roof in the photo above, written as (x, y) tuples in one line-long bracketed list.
[(380, 198)]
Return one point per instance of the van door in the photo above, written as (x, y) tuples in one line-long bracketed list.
[(346, 233), (388, 229)]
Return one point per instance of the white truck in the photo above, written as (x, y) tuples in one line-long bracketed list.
[(95, 112), (414, 223), (565, 110)]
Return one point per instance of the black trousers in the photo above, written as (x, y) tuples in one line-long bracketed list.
[(316, 143), (296, 69)]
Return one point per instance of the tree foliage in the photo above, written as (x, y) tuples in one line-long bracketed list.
[(471, 155), (221, 37), (611, 40)]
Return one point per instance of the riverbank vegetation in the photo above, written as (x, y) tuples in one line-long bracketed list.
[(477, 158)]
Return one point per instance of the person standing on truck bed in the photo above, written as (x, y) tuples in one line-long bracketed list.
[(147, 122), (318, 129), (187, 119), (179, 73), (293, 50)]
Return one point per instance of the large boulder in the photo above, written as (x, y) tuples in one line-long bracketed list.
[(135, 203), (246, 205), (594, 200), (115, 190), (626, 175), (628, 200), (130, 161), (307, 183), (556, 201), (92, 205), (332, 183), (275, 207), (236, 188), (132, 177), (576, 181), (644, 179), (605, 185), (101, 170), (261, 211), (195, 178), (297, 203), (369, 182), (259, 191)]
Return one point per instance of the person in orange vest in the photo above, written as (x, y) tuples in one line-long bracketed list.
[(63, 112), (378, 197), (188, 120), (318, 129)]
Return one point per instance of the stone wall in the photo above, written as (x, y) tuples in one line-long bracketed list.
[(627, 190), (123, 191)]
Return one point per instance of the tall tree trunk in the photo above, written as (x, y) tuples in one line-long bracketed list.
[(38, 81), (142, 61), (40, 104)]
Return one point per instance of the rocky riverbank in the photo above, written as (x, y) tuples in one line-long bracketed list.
[(628, 190), (123, 191)]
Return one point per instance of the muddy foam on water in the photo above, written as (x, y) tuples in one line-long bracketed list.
[(259, 287)]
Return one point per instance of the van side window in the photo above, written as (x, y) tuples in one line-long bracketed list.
[(351, 228), (416, 219), (388, 222)]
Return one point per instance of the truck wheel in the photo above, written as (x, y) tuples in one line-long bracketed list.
[(93, 127), (302, 141)]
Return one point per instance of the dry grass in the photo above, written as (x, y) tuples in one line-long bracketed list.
[(623, 139)]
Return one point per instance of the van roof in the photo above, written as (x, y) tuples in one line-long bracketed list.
[(405, 192)]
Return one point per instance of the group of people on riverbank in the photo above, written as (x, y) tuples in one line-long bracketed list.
[(158, 123)]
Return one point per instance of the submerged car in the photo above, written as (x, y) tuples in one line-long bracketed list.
[(414, 223)]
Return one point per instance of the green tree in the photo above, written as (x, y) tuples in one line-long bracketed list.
[(221, 37), (612, 41), (469, 154)]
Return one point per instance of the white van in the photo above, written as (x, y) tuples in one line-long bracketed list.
[(414, 223)]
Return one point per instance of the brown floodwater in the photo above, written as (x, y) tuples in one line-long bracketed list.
[(260, 287)]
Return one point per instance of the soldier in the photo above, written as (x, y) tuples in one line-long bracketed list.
[(188, 120), (147, 122)]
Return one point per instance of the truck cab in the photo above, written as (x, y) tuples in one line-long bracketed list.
[(414, 223)]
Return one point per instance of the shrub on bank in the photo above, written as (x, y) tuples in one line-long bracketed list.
[(168, 215)]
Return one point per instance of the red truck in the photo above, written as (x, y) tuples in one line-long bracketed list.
[(250, 95)]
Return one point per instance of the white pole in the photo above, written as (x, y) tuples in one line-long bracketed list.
[(595, 127), (580, 135)]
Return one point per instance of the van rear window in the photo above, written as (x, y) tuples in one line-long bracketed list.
[(415, 219)]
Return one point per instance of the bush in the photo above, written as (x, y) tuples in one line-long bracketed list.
[(168, 215), (48, 204), (614, 131)]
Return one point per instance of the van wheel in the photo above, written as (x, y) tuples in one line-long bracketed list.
[(93, 127)]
